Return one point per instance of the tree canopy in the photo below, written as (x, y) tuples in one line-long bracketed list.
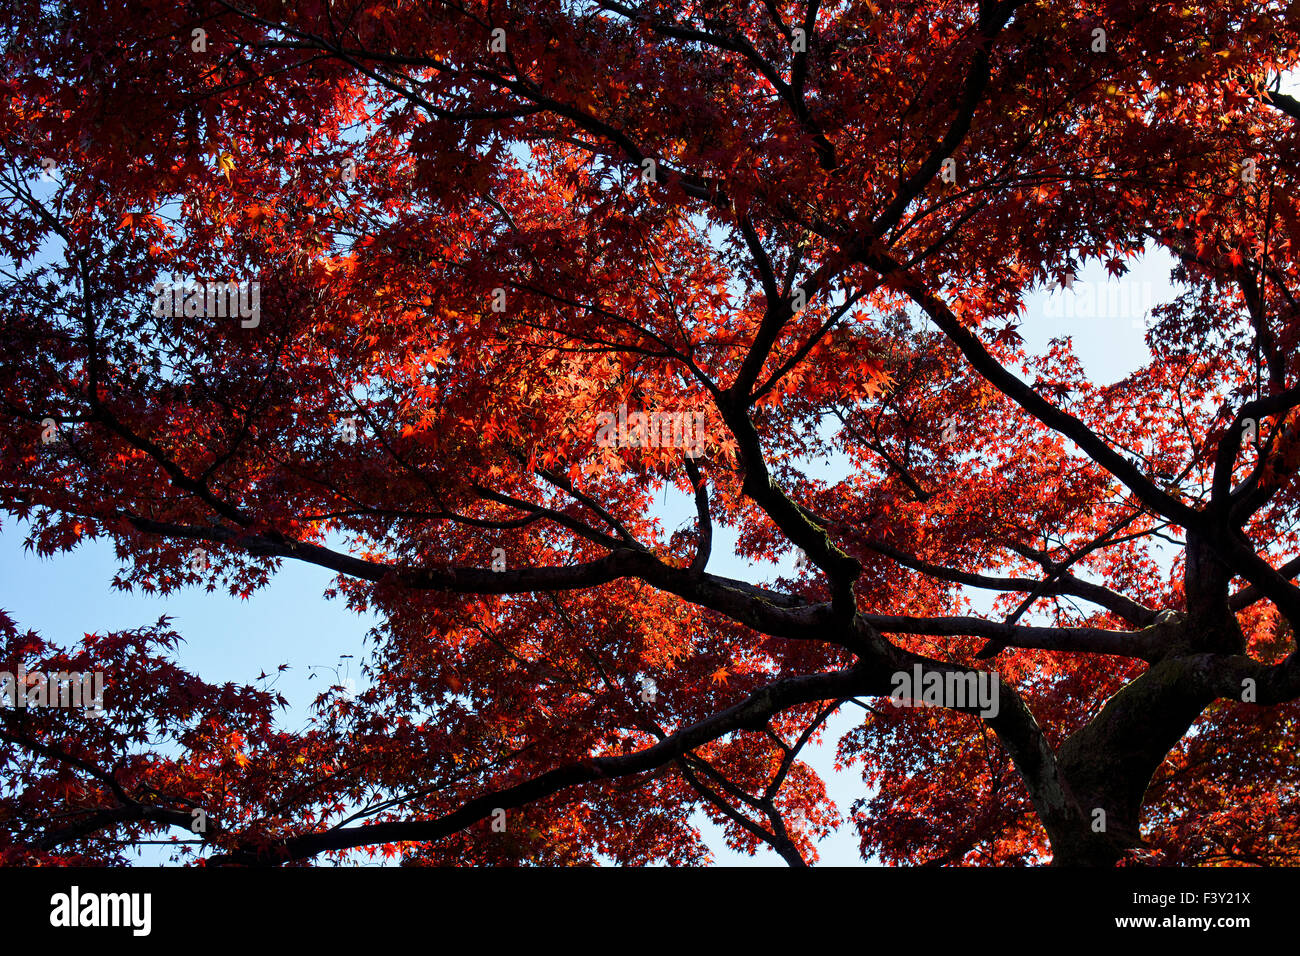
[(405, 290)]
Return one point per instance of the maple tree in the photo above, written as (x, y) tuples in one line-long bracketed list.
[(475, 228)]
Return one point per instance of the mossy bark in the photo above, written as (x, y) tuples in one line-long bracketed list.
[(1109, 761)]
